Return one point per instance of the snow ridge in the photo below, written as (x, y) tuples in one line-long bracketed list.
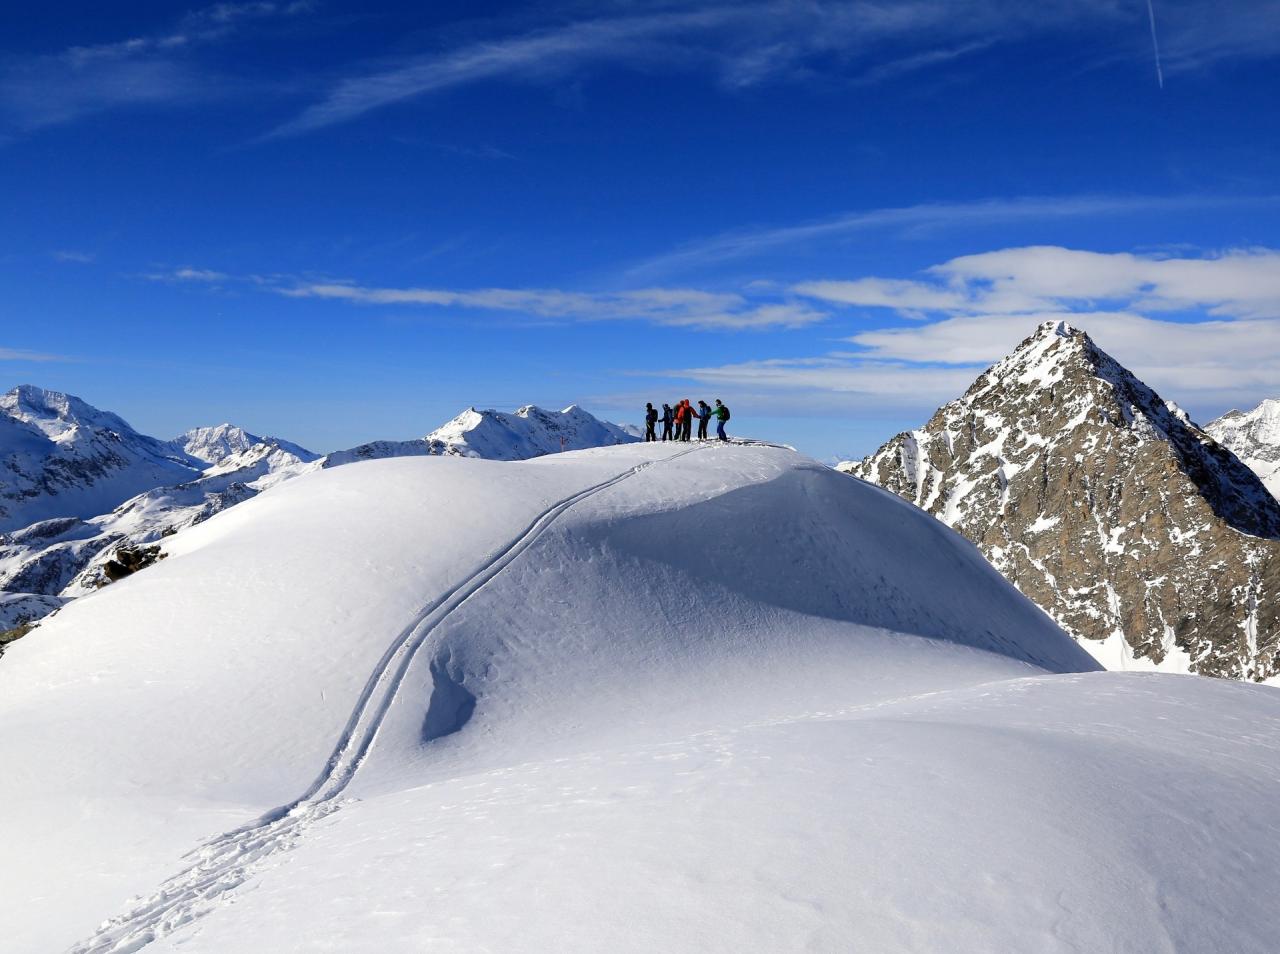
[(227, 861)]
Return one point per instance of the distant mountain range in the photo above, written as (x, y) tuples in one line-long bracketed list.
[(79, 486), (1142, 535)]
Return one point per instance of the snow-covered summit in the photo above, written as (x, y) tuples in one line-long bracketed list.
[(530, 432), (57, 415), (215, 444), (1254, 437)]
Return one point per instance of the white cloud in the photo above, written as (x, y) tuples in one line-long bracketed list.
[(1206, 364), (188, 274), (74, 257), (1240, 283), (681, 307)]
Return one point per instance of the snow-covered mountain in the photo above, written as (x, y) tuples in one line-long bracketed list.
[(1254, 437), (1106, 505), (61, 458), (215, 444), (628, 699), (495, 435), (529, 432), (68, 552)]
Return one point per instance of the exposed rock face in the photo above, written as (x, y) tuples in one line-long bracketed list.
[(1105, 505), (1254, 437)]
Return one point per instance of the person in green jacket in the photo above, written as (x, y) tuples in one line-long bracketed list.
[(722, 417)]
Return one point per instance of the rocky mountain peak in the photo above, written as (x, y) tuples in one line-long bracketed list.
[(1104, 503)]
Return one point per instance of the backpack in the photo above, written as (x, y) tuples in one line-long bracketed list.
[(726, 412)]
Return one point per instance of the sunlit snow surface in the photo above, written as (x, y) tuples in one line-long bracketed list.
[(631, 699)]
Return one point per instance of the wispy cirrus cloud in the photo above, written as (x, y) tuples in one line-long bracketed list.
[(676, 307), (149, 70), (186, 273), (925, 219), (739, 44), (22, 354), (673, 307), (74, 257)]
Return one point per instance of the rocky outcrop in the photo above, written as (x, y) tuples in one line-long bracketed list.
[(1104, 504)]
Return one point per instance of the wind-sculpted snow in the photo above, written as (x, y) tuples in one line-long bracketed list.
[(633, 698)]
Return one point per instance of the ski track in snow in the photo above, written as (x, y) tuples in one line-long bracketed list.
[(229, 860)]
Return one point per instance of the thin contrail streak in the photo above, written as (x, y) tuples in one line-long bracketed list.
[(1155, 44)]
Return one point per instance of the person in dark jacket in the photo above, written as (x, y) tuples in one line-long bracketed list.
[(667, 418), (704, 418), (722, 415), (650, 419)]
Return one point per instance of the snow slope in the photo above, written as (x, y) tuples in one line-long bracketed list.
[(633, 698)]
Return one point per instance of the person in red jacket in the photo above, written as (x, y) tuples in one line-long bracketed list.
[(685, 429)]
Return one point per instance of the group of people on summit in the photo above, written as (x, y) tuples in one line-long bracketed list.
[(677, 422)]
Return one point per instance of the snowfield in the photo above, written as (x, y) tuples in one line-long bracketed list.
[(645, 697)]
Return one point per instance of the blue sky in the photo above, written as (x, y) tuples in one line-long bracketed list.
[(337, 222)]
